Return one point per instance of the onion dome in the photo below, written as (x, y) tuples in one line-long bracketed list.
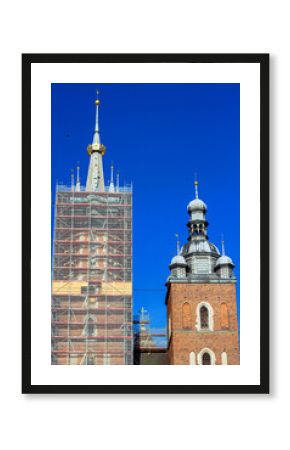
[(224, 260), (178, 260), (200, 246), (197, 204)]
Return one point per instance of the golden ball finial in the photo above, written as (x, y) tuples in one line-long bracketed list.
[(196, 183), (97, 102)]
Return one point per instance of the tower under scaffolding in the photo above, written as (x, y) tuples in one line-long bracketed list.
[(92, 268), (92, 286)]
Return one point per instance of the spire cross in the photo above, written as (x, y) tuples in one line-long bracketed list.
[(142, 313)]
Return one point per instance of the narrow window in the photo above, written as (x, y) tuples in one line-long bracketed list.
[(186, 316), (192, 359), (224, 316), (206, 359), (204, 318), (90, 327)]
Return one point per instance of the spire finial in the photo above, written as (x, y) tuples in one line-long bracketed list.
[(111, 186), (78, 183), (196, 185), (118, 181), (223, 246), (97, 102), (78, 172), (177, 244), (72, 176), (112, 173), (97, 139)]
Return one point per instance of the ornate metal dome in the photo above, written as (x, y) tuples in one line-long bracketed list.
[(224, 261), (196, 205), (178, 260), (200, 246)]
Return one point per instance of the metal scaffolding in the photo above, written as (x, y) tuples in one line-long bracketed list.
[(92, 277)]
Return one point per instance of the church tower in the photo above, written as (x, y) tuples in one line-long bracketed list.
[(91, 310), (201, 298)]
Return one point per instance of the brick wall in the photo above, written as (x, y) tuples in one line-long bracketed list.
[(185, 336)]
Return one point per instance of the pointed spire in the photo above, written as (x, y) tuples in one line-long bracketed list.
[(177, 244), (111, 186), (223, 246), (118, 182), (78, 183), (96, 150), (97, 137), (72, 176), (195, 186)]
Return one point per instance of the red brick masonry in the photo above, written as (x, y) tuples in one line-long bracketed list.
[(182, 306)]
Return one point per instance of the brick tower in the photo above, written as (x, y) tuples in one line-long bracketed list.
[(201, 298)]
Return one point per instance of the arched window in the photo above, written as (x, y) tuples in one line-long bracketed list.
[(206, 361), (206, 357), (186, 316), (224, 316), (204, 318)]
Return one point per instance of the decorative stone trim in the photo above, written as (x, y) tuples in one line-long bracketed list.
[(210, 352), (210, 317)]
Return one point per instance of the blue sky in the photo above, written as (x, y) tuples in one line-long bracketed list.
[(158, 136)]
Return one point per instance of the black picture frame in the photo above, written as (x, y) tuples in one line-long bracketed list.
[(27, 61)]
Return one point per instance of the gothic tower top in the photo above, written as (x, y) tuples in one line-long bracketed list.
[(96, 150)]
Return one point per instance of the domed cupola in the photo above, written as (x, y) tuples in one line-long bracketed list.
[(196, 205), (178, 264), (177, 260), (199, 260), (224, 265), (197, 222)]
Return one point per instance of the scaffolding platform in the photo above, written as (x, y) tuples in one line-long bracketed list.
[(91, 311)]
